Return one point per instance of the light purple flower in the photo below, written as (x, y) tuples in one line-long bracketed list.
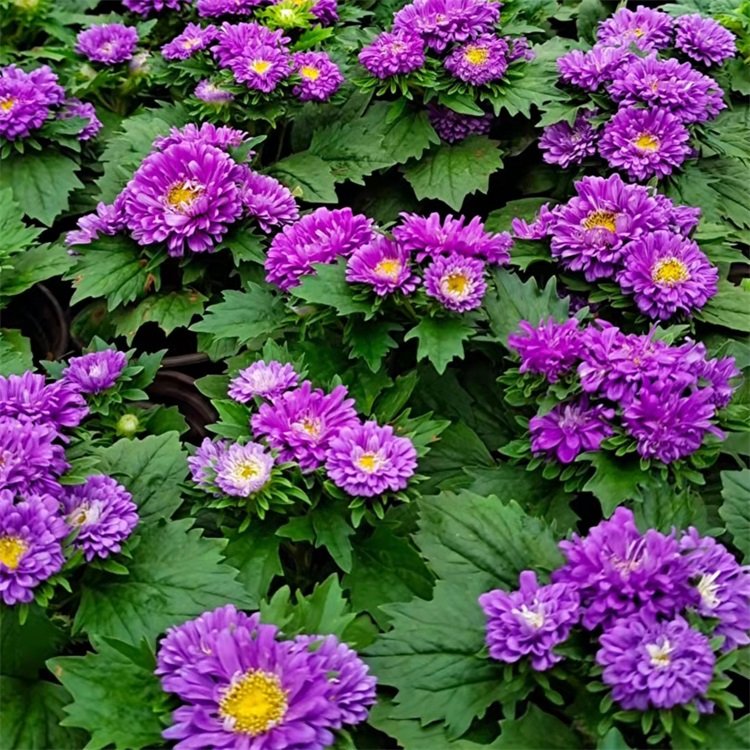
[(383, 265), (456, 282), (566, 144), (29, 397), (95, 372), (203, 464), (479, 61), (192, 39), (76, 108), (269, 202), (704, 40), (262, 380), (530, 621), (210, 93), (366, 460), (589, 70), (25, 100), (453, 127), (222, 137), (393, 53), (243, 470), (102, 512), (108, 219), (646, 28), (214, 8), (320, 77), (551, 349), (109, 44)]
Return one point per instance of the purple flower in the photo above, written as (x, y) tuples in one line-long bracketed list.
[(550, 349), (440, 22), (393, 53), (366, 460), (222, 137), (213, 8), (146, 7), (326, 11), (645, 142), (28, 397), (187, 196), (301, 423), (77, 108), (680, 219), (431, 237), (618, 571), (723, 587), (192, 39), (520, 49), (262, 68), (95, 372), (320, 77), (645, 28), (589, 70), (268, 201), (237, 40), (262, 380), (672, 85), (456, 282), (243, 470), (719, 374), (479, 61), (30, 549), (383, 265), (210, 93), (652, 664), (203, 464), (704, 40), (667, 273), (569, 430), (108, 219), (530, 621), (103, 513), (566, 144), (320, 237), (452, 126), (538, 229), (109, 44), (25, 100)]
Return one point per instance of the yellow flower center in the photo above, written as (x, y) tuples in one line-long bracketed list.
[(601, 220), (647, 142), (191, 42), (476, 55), (254, 703), (670, 271), (455, 284), (388, 268), (369, 462), (310, 426), (638, 33), (660, 653), (12, 549), (7, 103), (260, 66), (246, 470), (309, 72), (182, 195)]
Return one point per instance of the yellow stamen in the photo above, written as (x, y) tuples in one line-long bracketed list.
[(182, 195), (310, 426), (388, 268), (12, 550), (476, 55), (7, 103), (455, 284), (309, 72), (369, 462), (670, 271), (647, 142), (254, 703), (260, 66), (247, 470), (601, 219)]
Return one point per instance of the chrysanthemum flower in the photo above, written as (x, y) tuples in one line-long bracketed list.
[(262, 380), (25, 100), (530, 621), (538, 229), (192, 39), (214, 8), (456, 282), (320, 237), (222, 137), (262, 68), (704, 40), (29, 397), (453, 127), (645, 142), (667, 274), (680, 219), (269, 202), (646, 28), (652, 664), (550, 349), (383, 265), (479, 61), (243, 470), (301, 423), (366, 460), (146, 7), (566, 144), (589, 70), (109, 44), (393, 53), (103, 513), (320, 77), (95, 372), (108, 219), (203, 464), (719, 374), (210, 93), (238, 40), (30, 549)]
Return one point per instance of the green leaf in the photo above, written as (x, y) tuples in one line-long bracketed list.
[(735, 510), (513, 300), (451, 172), (328, 286), (440, 340), (151, 469), (590, 12), (32, 266), (409, 136), (255, 553), (371, 341), (115, 699), (730, 307), (31, 716), (41, 183), (16, 235), (615, 480), (536, 729), (15, 353), (25, 648), (254, 314), (500, 219), (307, 175), (168, 311), (332, 531), (174, 575)]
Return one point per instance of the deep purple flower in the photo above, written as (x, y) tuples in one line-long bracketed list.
[(570, 429), (96, 371), (719, 373), (262, 68), (440, 22), (618, 571), (393, 53), (243, 470), (28, 397), (566, 144), (103, 513), (652, 664), (222, 137), (326, 11), (680, 219), (383, 265), (108, 219), (301, 423), (669, 84), (646, 28), (109, 44), (214, 8), (320, 237), (645, 142), (187, 196), (77, 108), (452, 126), (589, 70), (704, 40), (320, 77), (146, 7), (269, 202), (479, 61), (432, 236), (456, 282), (723, 587), (238, 40), (530, 621), (666, 274), (25, 100), (262, 380), (30, 549), (366, 460), (210, 93), (520, 49), (203, 464), (538, 229), (193, 38), (550, 349)]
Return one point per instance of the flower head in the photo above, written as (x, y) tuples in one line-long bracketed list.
[(243, 470), (479, 61), (192, 39), (109, 44), (719, 373), (108, 219), (203, 464), (237, 40), (704, 40), (319, 77), (393, 53), (645, 28), (566, 144), (383, 265), (28, 397), (453, 127), (456, 282), (550, 349), (326, 11), (589, 70), (262, 380), (262, 68), (208, 134), (530, 621), (210, 93), (95, 372), (215, 8), (77, 108), (25, 100), (269, 202), (147, 7)]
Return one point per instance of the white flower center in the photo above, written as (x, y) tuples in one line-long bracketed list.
[(534, 618), (708, 588), (660, 653)]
